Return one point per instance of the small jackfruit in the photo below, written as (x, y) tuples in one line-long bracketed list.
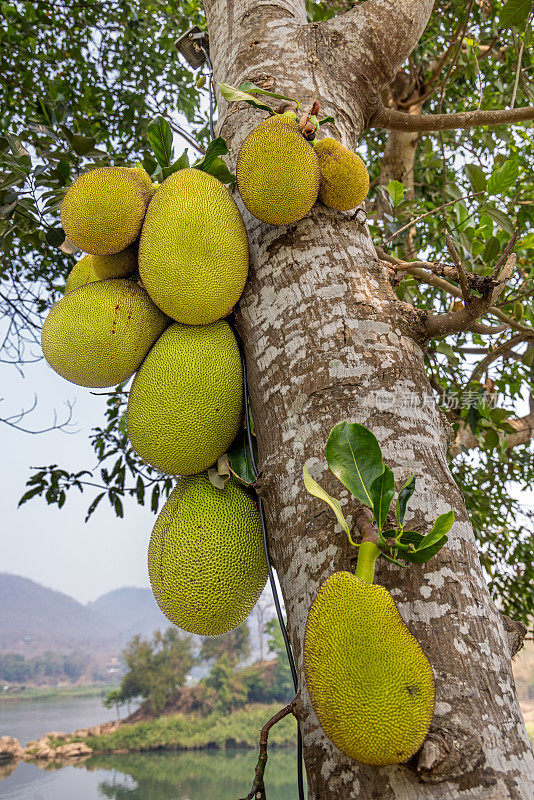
[(98, 334), (116, 265), (193, 253), (344, 176), (369, 681), (144, 178), (278, 172), (102, 212), (185, 404), (206, 561), (81, 273)]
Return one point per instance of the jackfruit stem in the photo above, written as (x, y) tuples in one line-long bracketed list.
[(368, 552)]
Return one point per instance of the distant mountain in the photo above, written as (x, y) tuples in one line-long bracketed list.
[(34, 618), (129, 610)]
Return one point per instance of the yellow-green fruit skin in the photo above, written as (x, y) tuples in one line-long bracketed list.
[(102, 212), (205, 559), (81, 273), (278, 172), (98, 334), (344, 176), (193, 253), (116, 265), (185, 404), (369, 681)]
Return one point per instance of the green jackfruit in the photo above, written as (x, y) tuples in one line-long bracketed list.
[(98, 334), (185, 404), (278, 172), (116, 265), (102, 212), (81, 273), (193, 253), (369, 681), (206, 561), (344, 176)]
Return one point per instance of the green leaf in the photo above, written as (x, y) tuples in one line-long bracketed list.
[(411, 537), (423, 556), (382, 491), (492, 249), (476, 176), (215, 149), (180, 163), (441, 526), (239, 458), (220, 171), (395, 190), (324, 120), (402, 500), (318, 491), (251, 88), (159, 134), (503, 177), (514, 13), (502, 219), (354, 456), (55, 236), (236, 96), (491, 439)]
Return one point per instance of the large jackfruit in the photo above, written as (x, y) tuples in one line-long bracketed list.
[(206, 560), (193, 253), (344, 176), (116, 265), (81, 273), (102, 212), (98, 334), (278, 172), (185, 404), (369, 681)]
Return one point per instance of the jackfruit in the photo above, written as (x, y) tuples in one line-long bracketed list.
[(193, 253), (144, 178), (102, 212), (81, 273), (344, 176), (116, 265), (369, 681), (206, 561), (98, 334), (185, 404), (278, 172)]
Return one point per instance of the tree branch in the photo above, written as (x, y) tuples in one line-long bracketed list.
[(523, 432), (257, 791), (399, 121)]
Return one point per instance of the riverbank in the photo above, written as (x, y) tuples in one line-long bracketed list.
[(55, 692), (239, 729)]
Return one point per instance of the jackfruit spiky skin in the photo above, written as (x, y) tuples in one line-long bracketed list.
[(206, 561), (81, 273), (278, 172), (369, 681), (193, 253), (116, 265), (185, 404), (102, 212), (344, 176), (98, 334), (144, 178)]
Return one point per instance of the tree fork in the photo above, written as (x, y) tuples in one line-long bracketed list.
[(327, 339)]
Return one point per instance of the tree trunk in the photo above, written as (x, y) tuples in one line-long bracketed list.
[(327, 340)]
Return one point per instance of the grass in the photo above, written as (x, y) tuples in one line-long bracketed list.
[(181, 732), (55, 693)]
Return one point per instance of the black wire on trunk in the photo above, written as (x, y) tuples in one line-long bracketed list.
[(250, 448)]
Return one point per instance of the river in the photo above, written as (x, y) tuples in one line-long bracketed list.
[(200, 775)]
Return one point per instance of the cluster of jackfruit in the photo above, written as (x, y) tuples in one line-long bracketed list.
[(280, 174), (162, 269)]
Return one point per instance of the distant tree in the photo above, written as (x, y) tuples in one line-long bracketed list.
[(74, 664), (155, 670), (228, 684), (235, 644), (275, 644), (14, 668)]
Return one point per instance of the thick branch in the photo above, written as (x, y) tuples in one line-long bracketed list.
[(397, 120), (379, 35), (523, 432)]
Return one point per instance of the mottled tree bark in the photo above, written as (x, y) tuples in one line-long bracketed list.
[(327, 340)]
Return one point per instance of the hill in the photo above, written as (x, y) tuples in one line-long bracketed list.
[(129, 610), (35, 619)]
